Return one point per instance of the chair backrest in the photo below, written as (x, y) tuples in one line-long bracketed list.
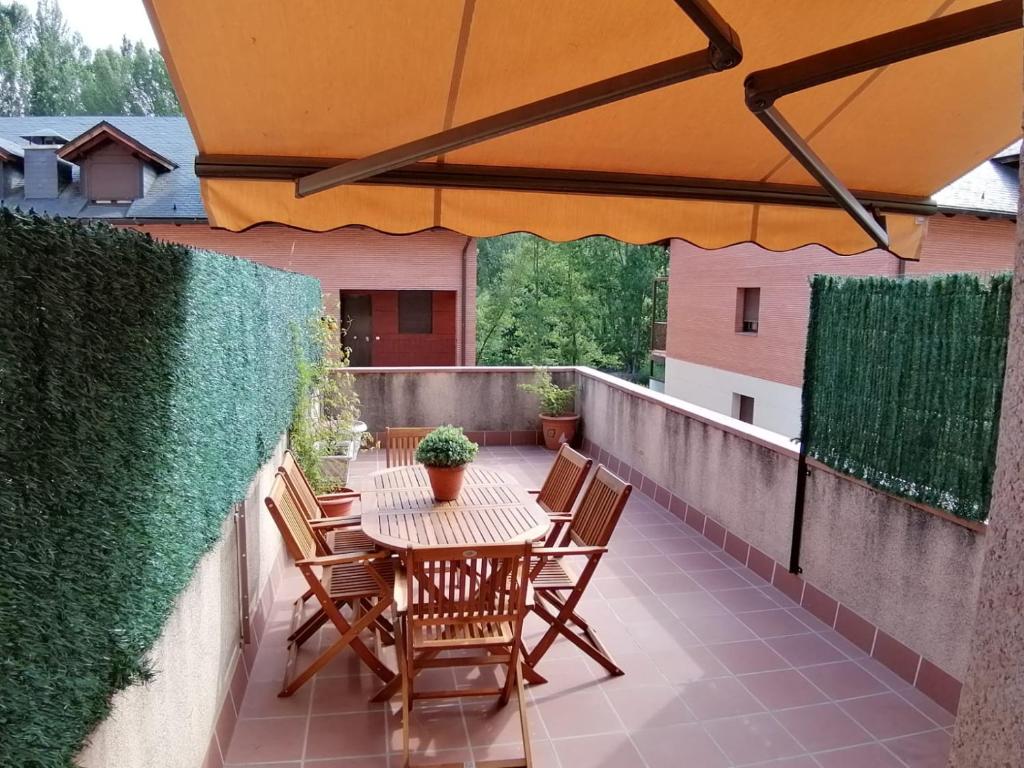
[(466, 586), (291, 520), (300, 486), (401, 442), (599, 510), (564, 480)]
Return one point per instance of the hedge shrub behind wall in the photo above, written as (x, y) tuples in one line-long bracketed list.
[(903, 381), (142, 384)]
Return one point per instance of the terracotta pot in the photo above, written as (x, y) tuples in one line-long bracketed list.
[(446, 482), (558, 430), (338, 507)]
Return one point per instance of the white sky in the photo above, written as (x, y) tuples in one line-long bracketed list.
[(103, 23)]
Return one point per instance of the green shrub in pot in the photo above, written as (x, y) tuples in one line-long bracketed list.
[(445, 452), (557, 408)]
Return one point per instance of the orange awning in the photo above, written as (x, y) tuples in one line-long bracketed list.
[(309, 80)]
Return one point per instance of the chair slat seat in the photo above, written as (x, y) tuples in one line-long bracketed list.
[(553, 574), (352, 581), (349, 541), (462, 635)]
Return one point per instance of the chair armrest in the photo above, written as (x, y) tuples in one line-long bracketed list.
[(327, 523), (339, 496), (328, 560), (546, 552), (401, 590), (560, 518)]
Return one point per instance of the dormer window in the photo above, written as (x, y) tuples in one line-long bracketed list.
[(115, 168)]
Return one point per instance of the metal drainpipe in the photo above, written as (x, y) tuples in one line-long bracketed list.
[(465, 303)]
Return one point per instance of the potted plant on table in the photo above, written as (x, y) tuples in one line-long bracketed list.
[(557, 409), (445, 452)]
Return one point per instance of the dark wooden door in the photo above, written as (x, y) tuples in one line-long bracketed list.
[(357, 316)]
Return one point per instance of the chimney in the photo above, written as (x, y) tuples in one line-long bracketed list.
[(45, 173)]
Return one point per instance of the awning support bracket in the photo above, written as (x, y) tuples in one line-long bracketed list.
[(765, 87), (723, 52)]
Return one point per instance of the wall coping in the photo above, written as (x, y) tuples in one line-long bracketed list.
[(759, 435)]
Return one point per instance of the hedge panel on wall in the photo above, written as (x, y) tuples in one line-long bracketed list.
[(903, 381), (142, 384)]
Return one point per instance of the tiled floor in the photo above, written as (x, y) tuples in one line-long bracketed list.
[(722, 670)]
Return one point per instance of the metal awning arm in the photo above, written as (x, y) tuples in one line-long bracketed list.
[(723, 52), (763, 88)]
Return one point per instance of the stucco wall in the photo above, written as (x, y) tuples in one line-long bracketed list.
[(776, 406), (168, 723), (476, 399), (911, 573)]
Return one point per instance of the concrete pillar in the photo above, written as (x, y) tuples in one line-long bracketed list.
[(990, 724)]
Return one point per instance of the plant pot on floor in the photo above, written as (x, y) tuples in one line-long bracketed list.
[(558, 430), (446, 482), (336, 505)]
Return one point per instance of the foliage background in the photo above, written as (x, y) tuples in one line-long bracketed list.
[(914, 410), (142, 384), (586, 302), (46, 69)]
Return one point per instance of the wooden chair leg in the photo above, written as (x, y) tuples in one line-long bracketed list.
[(349, 638), (559, 625), (524, 720), (395, 684)]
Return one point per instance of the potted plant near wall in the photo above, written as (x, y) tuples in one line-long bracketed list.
[(445, 452), (326, 432), (557, 409)]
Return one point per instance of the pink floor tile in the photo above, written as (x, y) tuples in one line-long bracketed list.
[(688, 745), (649, 707), (773, 623), (267, 740), (873, 755), (724, 628), (782, 689), (748, 599), (338, 695), (926, 750), (601, 751), (843, 680), (748, 656), (719, 697), (346, 735), (263, 701), (433, 728), (822, 726), (803, 650), (753, 738), (887, 715), (688, 665), (579, 714)]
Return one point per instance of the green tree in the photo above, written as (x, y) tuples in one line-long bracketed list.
[(55, 59), (15, 32), (45, 69), (586, 302)]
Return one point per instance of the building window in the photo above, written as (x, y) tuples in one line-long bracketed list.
[(748, 308), (743, 407), (415, 312)]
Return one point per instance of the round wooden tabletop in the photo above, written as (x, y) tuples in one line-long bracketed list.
[(400, 511)]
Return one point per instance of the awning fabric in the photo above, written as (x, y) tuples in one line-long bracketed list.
[(346, 79)]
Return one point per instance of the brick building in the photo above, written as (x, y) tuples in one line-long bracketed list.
[(737, 316), (409, 299)]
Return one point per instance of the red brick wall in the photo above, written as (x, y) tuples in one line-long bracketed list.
[(355, 259), (702, 292)]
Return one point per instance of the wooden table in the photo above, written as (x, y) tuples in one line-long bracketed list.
[(401, 512)]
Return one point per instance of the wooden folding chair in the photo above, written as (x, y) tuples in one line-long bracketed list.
[(400, 444), (338, 535), (450, 600), (363, 580), (551, 575), (560, 489)]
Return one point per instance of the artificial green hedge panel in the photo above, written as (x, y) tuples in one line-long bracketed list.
[(903, 381), (142, 384)]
